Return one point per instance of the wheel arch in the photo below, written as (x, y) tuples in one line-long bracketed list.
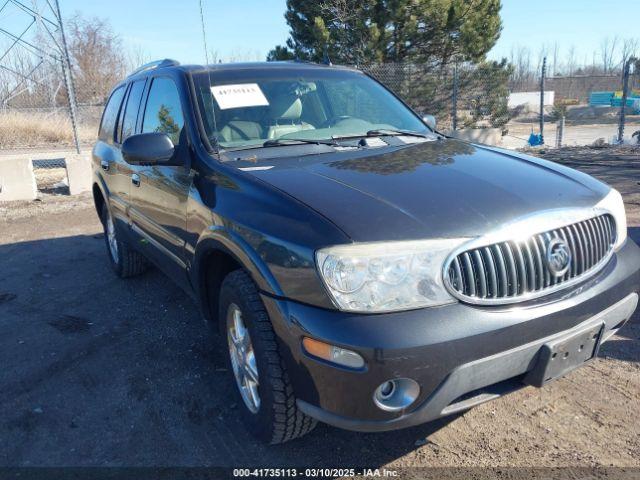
[(100, 193), (219, 253), (98, 199)]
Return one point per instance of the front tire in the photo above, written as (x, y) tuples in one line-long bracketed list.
[(268, 405), (125, 261)]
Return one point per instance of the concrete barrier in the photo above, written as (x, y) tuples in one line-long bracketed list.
[(78, 172), (488, 136), (17, 181)]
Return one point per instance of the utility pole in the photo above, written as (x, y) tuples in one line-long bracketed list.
[(543, 74), (68, 78), (454, 99), (625, 93)]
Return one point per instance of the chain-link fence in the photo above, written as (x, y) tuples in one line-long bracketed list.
[(45, 73), (47, 126), (483, 103), (487, 103), (459, 97)]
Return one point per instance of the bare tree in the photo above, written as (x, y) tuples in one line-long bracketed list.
[(97, 57), (241, 55), (520, 59), (554, 56), (630, 48), (542, 53), (572, 62), (214, 56), (136, 56), (608, 48), (343, 21)]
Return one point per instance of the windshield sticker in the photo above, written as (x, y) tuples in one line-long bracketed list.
[(253, 169), (240, 95), (411, 140), (376, 142)]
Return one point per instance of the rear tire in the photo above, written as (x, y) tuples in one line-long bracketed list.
[(125, 261), (275, 418)]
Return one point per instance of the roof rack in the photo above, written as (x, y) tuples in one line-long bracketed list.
[(167, 62)]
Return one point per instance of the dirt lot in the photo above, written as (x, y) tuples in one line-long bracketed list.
[(99, 371)]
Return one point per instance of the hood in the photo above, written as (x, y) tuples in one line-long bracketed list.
[(445, 188)]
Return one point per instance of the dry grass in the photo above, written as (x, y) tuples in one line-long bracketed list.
[(19, 129)]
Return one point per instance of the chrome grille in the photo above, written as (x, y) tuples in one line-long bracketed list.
[(513, 270)]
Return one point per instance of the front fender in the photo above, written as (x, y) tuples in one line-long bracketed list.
[(222, 239)]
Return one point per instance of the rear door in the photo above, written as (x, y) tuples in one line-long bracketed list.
[(159, 193), (125, 126), (106, 154)]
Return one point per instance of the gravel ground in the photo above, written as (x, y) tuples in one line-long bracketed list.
[(99, 371)]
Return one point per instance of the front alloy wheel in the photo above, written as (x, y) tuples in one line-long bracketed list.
[(271, 413), (243, 358)]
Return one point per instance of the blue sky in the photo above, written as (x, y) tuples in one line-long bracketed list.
[(248, 29), (579, 23)]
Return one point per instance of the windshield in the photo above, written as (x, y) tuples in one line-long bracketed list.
[(248, 107)]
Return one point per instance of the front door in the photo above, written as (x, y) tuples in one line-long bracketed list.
[(159, 194)]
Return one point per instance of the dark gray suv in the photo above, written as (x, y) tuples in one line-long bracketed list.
[(365, 270)]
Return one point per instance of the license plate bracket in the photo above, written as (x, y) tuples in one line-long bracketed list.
[(558, 357)]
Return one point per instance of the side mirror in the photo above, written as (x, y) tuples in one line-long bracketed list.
[(430, 120), (148, 149)]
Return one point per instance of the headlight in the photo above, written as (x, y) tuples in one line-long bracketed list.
[(614, 204), (385, 277)]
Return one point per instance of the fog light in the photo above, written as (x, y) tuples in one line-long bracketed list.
[(333, 354), (396, 394), (386, 389)]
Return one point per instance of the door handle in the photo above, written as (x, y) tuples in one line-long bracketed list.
[(135, 179), (104, 164)]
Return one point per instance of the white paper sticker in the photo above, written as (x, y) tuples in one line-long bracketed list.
[(376, 142), (240, 95), (410, 140), (253, 169)]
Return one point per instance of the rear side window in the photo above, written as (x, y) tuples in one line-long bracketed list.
[(110, 115), (163, 112), (131, 110)]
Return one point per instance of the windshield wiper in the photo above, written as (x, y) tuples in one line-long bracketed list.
[(381, 132), (281, 142), (277, 142)]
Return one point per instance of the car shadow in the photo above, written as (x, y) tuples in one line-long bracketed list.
[(103, 371)]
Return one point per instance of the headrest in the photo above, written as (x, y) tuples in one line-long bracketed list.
[(285, 107)]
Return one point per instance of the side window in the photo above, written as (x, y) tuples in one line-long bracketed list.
[(131, 110), (110, 115), (163, 112)]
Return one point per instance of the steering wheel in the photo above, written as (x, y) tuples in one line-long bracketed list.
[(330, 122)]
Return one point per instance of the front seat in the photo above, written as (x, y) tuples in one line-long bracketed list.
[(236, 130), (285, 112)]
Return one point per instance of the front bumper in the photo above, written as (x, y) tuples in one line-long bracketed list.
[(461, 355)]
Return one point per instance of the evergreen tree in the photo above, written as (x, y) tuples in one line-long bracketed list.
[(367, 31), (166, 124)]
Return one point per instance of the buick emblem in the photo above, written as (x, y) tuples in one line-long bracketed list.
[(558, 257)]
